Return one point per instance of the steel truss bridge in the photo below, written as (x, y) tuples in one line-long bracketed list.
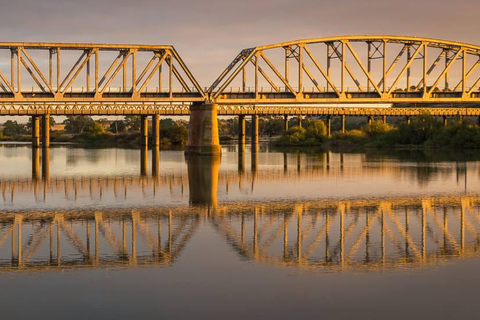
[(329, 235), (103, 79)]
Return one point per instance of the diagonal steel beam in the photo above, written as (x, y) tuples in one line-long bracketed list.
[(432, 67), (37, 70), (87, 59), (325, 75), (409, 63), (445, 70), (159, 63), (393, 64), (265, 76), (285, 82), (363, 67), (347, 68)]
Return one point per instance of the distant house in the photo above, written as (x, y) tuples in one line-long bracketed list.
[(58, 127)]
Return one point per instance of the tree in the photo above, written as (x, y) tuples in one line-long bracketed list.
[(132, 123), (117, 126), (13, 128), (76, 124), (94, 128)]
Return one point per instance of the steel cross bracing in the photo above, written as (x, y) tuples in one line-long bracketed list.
[(352, 69)]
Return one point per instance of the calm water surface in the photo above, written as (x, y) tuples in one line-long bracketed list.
[(140, 234)]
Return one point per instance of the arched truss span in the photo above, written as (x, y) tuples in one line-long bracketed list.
[(362, 69)]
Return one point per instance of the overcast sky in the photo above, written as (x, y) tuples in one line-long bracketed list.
[(208, 33)]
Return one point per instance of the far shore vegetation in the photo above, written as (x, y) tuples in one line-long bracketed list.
[(423, 131)]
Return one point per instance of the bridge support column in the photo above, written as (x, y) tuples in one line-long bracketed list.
[(370, 119), (156, 130), (384, 119), (203, 179), (241, 133), (35, 132), (285, 123), (300, 118), (143, 130), (46, 131), (407, 118), (254, 133), (203, 130), (329, 126), (445, 121), (343, 124)]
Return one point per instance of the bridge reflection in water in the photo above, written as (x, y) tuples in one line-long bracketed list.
[(374, 234)]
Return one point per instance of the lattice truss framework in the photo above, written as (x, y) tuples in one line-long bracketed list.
[(52, 72)]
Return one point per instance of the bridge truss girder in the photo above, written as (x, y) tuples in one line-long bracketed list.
[(353, 69), (94, 73)]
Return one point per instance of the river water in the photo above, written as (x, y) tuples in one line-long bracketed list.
[(274, 234)]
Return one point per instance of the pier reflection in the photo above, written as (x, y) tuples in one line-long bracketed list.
[(373, 234), (203, 179)]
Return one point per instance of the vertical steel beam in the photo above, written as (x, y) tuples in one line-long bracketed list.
[(19, 85), (343, 68), (409, 56), (384, 119), (35, 163), (96, 71), (329, 64), (464, 77), (343, 124), (287, 67), (300, 118), (384, 66), (170, 77), (300, 70), (256, 76), (58, 69), (445, 121), (134, 72), (50, 67), (369, 64), (87, 84), (285, 123), (124, 69), (12, 67), (425, 71), (244, 79), (446, 73)]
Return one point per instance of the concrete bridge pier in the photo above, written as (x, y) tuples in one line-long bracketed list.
[(254, 133), (46, 131), (370, 119), (203, 130), (35, 132), (241, 133)]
